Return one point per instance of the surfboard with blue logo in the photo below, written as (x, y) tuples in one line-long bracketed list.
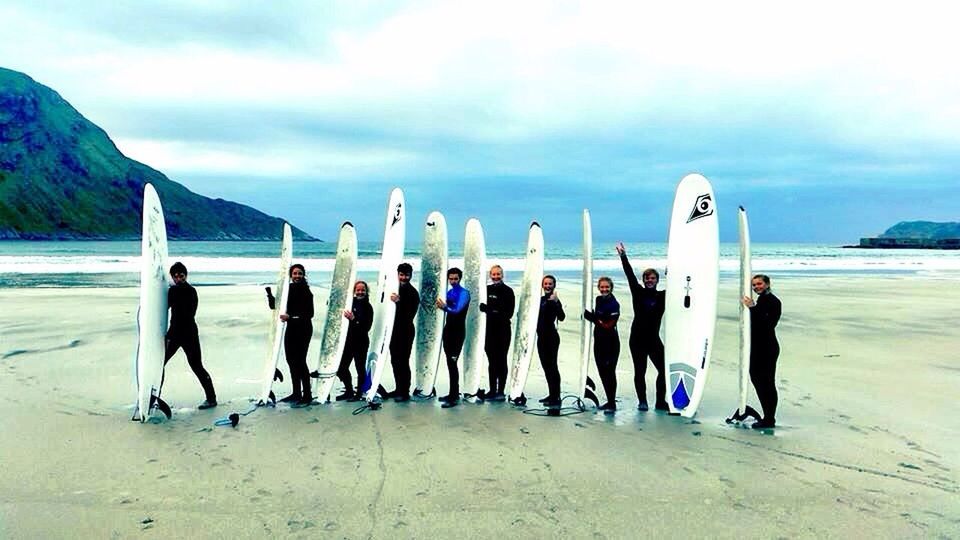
[(690, 317)]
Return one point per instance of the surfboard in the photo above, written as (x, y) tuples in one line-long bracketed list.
[(528, 312), (335, 325), (433, 284), (152, 313), (276, 326), (475, 282), (691, 299), (586, 303), (746, 275), (384, 309)]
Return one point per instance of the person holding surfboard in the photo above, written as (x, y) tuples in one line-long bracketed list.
[(454, 331), (499, 310), (606, 339), (357, 342), (183, 333), (407, 300), (548, 339), (648, 307), (297, 337), (764, 348)]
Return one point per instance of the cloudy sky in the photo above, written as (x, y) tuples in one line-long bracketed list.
[(828, 121)]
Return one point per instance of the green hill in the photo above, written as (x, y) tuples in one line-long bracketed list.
[(61, 177), (923, 229)]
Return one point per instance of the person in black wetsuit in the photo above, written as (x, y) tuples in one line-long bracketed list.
[(606, 340), (764, 348), (648, 306), (548, 339), (407, 300), (454, 332), (298, 333), (357, 342), (183, 333), (499, 310)]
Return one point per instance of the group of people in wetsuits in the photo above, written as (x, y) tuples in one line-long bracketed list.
[(648, 308)]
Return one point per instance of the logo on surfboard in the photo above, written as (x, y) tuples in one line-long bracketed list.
[(702, 208), (396, 214)]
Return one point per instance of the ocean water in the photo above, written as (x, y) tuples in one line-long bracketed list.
[(115, 264)]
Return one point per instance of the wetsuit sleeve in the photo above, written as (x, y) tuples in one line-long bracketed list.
[(308, 308), (560, 314), (409, 303), (193, 301), (631, 275), (510, 302), (365, 318)]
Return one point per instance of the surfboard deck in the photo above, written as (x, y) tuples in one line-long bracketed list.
[(528, 311), (430, 318), (586, 328), (475, 282), (746, 273), (384, 309), (269, 373), (152, 312), (335, 325), (691, 297)]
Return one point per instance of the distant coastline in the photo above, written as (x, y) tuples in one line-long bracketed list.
[(915, 235)]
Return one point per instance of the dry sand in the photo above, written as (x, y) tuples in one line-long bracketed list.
[(867, 445)]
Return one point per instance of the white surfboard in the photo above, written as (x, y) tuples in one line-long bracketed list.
[(430, 318), (276, 326), (335, 325), (586, 303), (152, 313), (475, 282), (384, 309), (745, 290), (527, 314), (690, 316)]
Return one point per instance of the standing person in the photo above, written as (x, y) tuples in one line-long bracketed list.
[(357, 342), (548, 339), (499, 310), (183, 333), (606, 339), (298, 333), (648, 306), (764, 348), (454, 331), (407, 300)]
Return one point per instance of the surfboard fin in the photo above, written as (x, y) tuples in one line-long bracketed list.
[(588, 394), (748, 411), (520, 401), (590, 384), (164, 408), (273, 399), (277, 375)]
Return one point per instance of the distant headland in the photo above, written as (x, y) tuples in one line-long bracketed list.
[(915, 235), (62, 178)]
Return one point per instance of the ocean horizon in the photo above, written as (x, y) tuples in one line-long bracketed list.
[(115, 263)]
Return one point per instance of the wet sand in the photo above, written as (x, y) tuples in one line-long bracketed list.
[(867, 443)]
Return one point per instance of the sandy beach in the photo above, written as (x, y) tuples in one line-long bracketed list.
[(867, 443)]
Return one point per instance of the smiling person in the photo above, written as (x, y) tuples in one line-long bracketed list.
[(183, 333), (454, 331), (764, 347), (648, 307), (299, 330), (606, 340), (548, 339), (407, 300), (357, 341), (499, 310)]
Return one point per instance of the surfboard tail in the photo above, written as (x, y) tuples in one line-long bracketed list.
[(748, 412)]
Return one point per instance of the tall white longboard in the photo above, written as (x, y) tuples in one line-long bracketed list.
[(277, 327), (690, 316), (475, 282), (430, 318), (527, 314), (585, 388), (384, 309), (335, 325), (152, 313), (746, 272)]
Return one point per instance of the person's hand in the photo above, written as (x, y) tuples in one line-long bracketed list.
[(348, 314), (394, 297), (284, 317), (620, 249), (552, 297), (441, 304), (747, 301)]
